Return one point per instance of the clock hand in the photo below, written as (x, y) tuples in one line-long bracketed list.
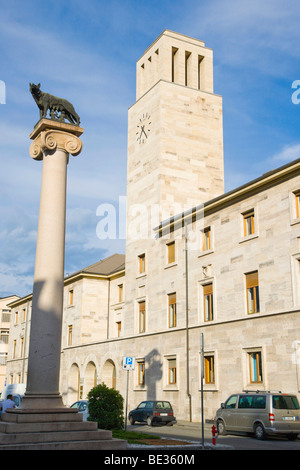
[(143, 130)]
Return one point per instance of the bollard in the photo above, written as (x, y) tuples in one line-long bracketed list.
[(214, 432)]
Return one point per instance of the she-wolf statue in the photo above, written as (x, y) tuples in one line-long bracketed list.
[(59, 108)]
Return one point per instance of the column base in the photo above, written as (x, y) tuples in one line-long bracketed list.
[(43, 422), (56, 429), (37, 403)]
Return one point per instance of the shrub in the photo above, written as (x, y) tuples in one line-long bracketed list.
[(106, 407)]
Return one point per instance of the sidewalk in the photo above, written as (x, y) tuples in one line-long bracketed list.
[(198, 446), (196, 425), (192, 424)]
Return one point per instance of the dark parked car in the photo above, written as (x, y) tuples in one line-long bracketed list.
[(151, 411)]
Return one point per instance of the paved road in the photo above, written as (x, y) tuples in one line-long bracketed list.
[(192, 432)]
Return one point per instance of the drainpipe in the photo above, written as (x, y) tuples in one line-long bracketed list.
[(187, 324), (108, 307), (25, 343)]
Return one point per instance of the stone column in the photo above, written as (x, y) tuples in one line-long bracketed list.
[(52, 143)]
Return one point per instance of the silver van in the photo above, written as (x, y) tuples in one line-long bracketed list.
[(262, 413)]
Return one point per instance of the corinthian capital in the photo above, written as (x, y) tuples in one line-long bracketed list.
[(49, 135)]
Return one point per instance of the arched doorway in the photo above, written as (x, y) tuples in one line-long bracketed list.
[(73, 384), (90, 378), (109, 374)]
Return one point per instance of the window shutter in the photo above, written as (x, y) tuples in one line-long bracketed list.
[(252, 280), (171, 252), (208, 289)]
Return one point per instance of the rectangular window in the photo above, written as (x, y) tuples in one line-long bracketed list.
[(119, 327), (24, 314), (16, 317), (252, 292), (285, 402), (14, 349), (4, 336), (208, 302), (174, 64), (120, 292), (209, 369), (200, 58), (296, 278), (142, 317), (142, 263), (6, 315), (171, 252), (70, 297), (255, 367), (141, 373), (249, 227), (70, 335), (3, 359), (252, 401), (22, 347), (297, 196), (172, 371), (172, 310), (188, 68), (206, 239)]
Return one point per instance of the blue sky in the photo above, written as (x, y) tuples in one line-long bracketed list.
[(86, 51)]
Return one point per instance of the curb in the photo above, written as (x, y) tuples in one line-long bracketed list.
[(162, 448)]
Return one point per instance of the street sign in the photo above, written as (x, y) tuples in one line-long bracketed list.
[(128, 363)]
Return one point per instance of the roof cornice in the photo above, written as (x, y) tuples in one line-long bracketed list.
[(268, 179), (70, 279)]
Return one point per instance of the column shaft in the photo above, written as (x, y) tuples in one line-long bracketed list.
[(47, 303)]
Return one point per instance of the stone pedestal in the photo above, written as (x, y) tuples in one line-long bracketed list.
[(42, 421), (54, 431)]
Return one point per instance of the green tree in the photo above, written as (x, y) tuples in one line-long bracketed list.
[(106, 407)]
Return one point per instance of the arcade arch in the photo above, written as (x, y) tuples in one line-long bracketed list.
[(73, 384), (90, 378), (109, 374)]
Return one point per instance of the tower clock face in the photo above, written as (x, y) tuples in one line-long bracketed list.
[(143, 128)]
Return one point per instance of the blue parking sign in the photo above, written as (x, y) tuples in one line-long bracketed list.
[(128, 362)]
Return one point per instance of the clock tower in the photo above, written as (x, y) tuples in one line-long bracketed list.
[(175, 129), (175, 142)]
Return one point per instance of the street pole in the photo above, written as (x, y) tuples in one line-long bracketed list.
[(126, 400), (25, 343), (187, 324), (128, 363), (202, 377)]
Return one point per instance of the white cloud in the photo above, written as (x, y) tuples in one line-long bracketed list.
[(287, 154), (13, 282), (14, 135), (249, 33)]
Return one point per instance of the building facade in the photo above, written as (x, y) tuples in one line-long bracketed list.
[(200, 263), (5, 320)]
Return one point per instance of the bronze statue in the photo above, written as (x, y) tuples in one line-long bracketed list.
[(59, 108)]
